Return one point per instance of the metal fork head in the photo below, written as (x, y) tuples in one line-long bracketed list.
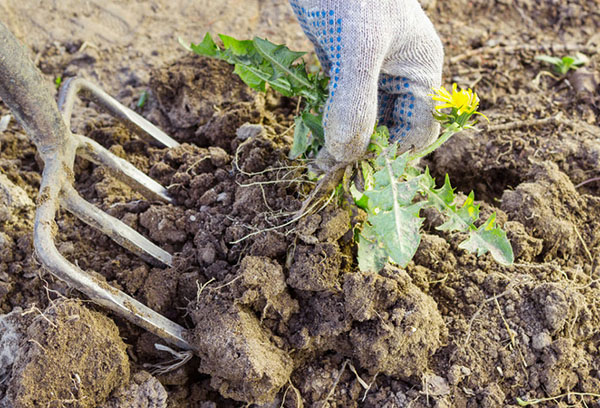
[(23, 89)]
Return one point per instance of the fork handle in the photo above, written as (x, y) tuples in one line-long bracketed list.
[(29, 96)]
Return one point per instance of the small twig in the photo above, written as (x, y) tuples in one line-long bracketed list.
[(360, 380), (512, 339), (197, 162), (337, 380), (369, 387), (583, 183), (262, 183), (511, 48), (585, 247), (37, 343), (524, 403), (201, 288), (526, 123), (228, 283), (33, 309), (299, 403)]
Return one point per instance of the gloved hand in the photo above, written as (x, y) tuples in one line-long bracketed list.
[(383, 58)]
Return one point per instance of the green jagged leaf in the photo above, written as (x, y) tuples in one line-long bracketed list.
[(301, 136), (393, 219), (388, 190), (207, 47), (282, 60), (237, 47), (490, 238), (379, 140), (399, 231), (259, 62), (411, 172), (372, 257), (446, 193), (549, 59), (390, 168), (250, 77), (442, 199), (315, 125), (461, 219)]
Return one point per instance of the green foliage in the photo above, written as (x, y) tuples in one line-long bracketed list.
[(142, 99), (259, 62), (393, 191), (564, 64), (393, 204)]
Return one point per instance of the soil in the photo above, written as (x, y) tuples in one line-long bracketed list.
[(278, 313)]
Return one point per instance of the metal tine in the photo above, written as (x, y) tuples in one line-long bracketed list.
[(120, 232), (129, 118), (122, 169), (52, 187), (22, 89), (95, 289)]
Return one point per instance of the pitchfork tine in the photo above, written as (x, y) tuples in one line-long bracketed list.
[(22, 89), (122, 169), (120, 232), (129, 118)]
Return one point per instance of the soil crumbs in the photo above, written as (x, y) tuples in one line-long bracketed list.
[(279, 315)]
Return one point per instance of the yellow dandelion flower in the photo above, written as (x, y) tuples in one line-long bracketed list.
[(464, 100)]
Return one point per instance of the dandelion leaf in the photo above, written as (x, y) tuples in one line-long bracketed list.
[(313, 122), (394, 219), (442, 199), (398, 230), (207, 47), (490, 238), (372, 257), (301, 135), (461, 219)]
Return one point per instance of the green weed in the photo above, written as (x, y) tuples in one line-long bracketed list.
[(393, 191), (565, 64)]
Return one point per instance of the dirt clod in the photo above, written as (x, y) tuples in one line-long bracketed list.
[(238, 351), (69, 355)]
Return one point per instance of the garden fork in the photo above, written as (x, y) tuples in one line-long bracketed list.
[(22, 88)]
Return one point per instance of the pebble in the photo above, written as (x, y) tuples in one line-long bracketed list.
[(249, 130), (541, 340)]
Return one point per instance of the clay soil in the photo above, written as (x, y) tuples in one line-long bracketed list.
[(278, 313)]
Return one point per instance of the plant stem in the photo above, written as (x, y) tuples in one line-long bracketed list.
[(450, 131), (524, 403)]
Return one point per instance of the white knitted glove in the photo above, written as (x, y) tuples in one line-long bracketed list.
[(383, 58)]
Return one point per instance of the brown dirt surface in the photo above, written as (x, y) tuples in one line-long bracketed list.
[(277, 312), (68, 356)]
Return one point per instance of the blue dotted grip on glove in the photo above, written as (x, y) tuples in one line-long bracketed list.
[(383, 59), (395, 102)]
